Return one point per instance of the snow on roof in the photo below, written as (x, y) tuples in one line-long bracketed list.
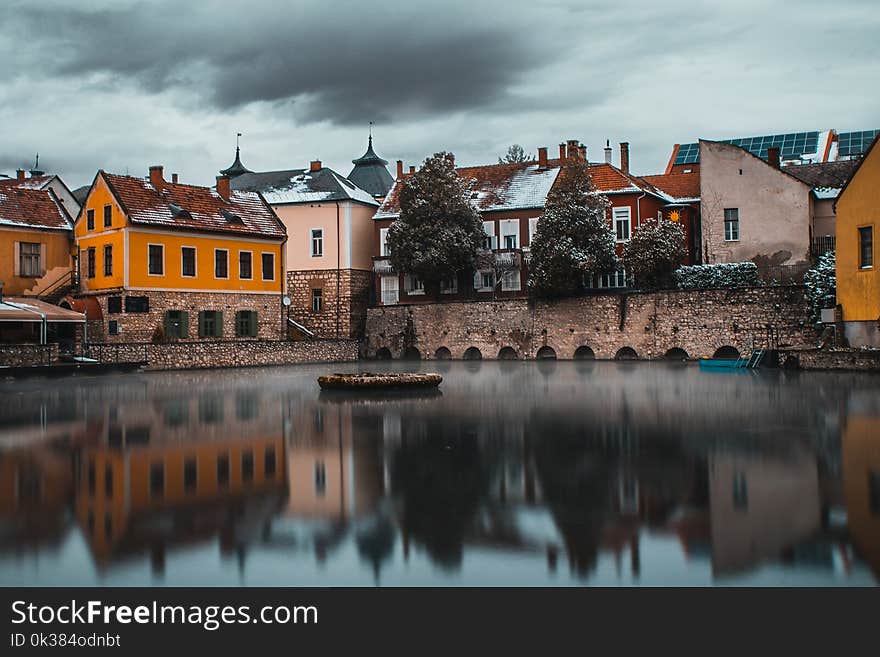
[(302, 186), (827, 192), (32, 208)]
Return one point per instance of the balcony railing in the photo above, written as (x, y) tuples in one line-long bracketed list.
[(822, 245), (382, 266), (511, 259), (390, 297)]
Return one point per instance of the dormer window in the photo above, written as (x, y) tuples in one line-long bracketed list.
[(231, 217), (179, 212)]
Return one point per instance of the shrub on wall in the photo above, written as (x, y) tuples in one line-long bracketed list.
[(821, 282), (706, 277), (654, 252)]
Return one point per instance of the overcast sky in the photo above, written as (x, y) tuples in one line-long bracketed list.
[(124, 84)]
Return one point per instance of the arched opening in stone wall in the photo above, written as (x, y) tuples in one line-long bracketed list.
[(676, 353), (383, 353), (507, 353), (726, 353), (584, 353), (443, 353), (546, 353), (411, 353), (472, 353), (626, 353)]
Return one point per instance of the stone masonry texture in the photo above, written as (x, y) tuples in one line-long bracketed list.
[(345, 313), (699, 322)]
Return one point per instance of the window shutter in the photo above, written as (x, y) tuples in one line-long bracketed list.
[(169, 328), (218, 324), (533, 228), (238, 332), (253, 324), (202, 324), (184, 324), (16, 254), (43, 266), (478, 280)]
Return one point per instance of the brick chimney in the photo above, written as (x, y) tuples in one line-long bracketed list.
[(561, 151), (399, 169), (624, 156), (773, 156), (174, 178), (573, 150), (19, 174), (223, 187), (583, 150), (315, 165), (156, 179), (542, 157), (607, 151)]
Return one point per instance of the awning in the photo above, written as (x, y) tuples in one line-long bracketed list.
[(24, 309), (88, 305)]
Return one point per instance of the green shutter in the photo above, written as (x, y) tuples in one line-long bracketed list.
[(201, 323), (169, 324), (218, 324), (184, 324), (238, 332)]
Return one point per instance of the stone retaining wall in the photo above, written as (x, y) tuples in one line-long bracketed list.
[(194, 355), (699, 322), (849, 359), (26, 355)]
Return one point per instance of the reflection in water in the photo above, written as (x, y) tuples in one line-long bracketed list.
[(516, 473)]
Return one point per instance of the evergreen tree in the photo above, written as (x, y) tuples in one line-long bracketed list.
[(655, 251), (821, 284), (572, 238), (438, 232), (515, 155)]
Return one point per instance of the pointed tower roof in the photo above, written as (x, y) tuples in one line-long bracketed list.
[(236, 168), (369, 172)]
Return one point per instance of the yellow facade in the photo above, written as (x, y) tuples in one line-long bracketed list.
[(858, 288), (55, 257), (130, 248)]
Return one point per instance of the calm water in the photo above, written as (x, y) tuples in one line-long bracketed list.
[(516, 474)]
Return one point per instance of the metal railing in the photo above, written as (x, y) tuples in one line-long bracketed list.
[(382, 266), (118, 352), (822, 245)]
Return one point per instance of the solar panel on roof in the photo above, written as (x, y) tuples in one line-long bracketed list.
[(792, 145), (855, 143)]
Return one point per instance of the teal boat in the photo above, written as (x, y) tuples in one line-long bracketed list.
[(723, 363)]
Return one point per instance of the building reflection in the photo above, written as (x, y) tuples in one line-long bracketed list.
[(860, 445)]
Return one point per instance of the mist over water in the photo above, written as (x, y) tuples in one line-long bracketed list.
[(515, 473)]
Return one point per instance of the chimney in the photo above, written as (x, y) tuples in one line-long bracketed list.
[(412, 168), (223, 187), (773, 156), (607, 151), (561, 151), (583, 150), (19, 174), (174, 178), (573, 148), (315, 165), (542, 157), (399, 169), (624, 156), (156, 179)]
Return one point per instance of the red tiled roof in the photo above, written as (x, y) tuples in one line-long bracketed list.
[(145, 205), (677, 185), (523, 185), (33, 208)]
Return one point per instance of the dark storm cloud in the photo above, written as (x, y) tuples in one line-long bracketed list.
[(337, 61)]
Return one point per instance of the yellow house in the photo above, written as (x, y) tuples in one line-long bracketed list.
[(35, 239), (858, 272), (169, 261)]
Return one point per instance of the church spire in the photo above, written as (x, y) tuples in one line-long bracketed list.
[(236, 168)]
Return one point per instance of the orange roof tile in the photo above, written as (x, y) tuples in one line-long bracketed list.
[(677, 185), (33, 208), (143, 204)]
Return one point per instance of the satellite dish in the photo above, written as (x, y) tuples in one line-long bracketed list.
[(286, 301)]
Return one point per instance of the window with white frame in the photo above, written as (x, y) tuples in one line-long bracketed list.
[(449, 285), (533, 228), (617, 279), (155, 259), (866, 247), (414, 285), (245, 265), (489, 241), (29, 265), (484, 281), (510, 281), (390, 291), (317, 242), (384, 251), (187, 261), (731, 224), (510, 233), (622, 221)]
